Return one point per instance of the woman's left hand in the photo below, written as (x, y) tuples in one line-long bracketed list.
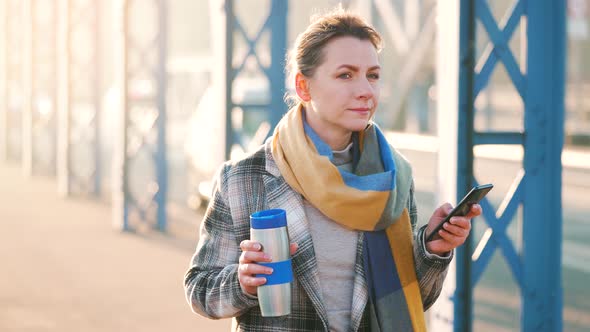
[(452, 234)]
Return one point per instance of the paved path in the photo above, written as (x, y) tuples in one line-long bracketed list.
[(64, 268)]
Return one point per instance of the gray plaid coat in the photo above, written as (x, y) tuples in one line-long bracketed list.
[(211, 283)]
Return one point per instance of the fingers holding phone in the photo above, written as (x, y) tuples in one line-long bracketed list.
[(452, 233)]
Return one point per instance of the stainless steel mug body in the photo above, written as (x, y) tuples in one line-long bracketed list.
[(269, 228)]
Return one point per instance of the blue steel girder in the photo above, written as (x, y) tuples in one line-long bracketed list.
[(251, 47), (41, 118), (536, 269), (145, 116), (497, 233), (81, 98), (496, 236), (14, 92), (275, 23), (3, 81), (463, 295), (499, 39), (544, 125)]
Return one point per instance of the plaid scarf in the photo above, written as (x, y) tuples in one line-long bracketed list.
[(373, 199)]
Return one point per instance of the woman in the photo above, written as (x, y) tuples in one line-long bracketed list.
[(358, 261)]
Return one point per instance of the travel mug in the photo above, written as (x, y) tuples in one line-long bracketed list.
[(269, 228)]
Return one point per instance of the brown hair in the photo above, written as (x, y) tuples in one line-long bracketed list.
[(307, 55)]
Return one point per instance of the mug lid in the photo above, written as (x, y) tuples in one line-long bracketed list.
[(273, 218)]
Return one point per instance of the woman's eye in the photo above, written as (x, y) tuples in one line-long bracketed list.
[(373, 76), (345, 75)]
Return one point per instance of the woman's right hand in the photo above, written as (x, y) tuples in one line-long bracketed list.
[(247, 267)]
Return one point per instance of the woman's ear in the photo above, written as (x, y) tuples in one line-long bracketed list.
[(302, 87)]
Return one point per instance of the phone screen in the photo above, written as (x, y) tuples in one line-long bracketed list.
[(475, 195)]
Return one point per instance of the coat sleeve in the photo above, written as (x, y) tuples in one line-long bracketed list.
[(211, 283), (431, 269)]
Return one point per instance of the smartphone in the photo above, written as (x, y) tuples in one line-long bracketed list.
[(475, 195)]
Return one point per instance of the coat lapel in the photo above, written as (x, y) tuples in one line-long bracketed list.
[(360, 294), (280, 195)]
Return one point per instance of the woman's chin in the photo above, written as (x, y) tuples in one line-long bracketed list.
[(358, 125)]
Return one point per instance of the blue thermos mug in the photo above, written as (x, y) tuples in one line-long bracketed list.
[(269, 228)]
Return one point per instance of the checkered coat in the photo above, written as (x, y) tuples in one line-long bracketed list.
[(211, 283)]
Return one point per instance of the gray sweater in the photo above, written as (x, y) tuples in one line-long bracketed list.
[(335, 249)]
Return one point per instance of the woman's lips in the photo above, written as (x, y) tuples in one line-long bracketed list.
[(361, 110)]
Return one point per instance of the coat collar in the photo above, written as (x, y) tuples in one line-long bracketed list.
[(281, 195)]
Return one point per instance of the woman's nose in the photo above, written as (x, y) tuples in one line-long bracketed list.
[(365, 89)]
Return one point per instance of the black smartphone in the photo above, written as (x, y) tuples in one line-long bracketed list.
[(475, 195)]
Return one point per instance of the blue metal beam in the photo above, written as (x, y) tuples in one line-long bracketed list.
[(491, 58), (463, 297), (496, 235), (544, 124), (229, 76), (498, 137), (27, 80), (276, 72), (79, 98), (4, 68), (144, 99), (162, 86), (39, 119), (14, 78), (500, 40), (537, 271), (276, 25)]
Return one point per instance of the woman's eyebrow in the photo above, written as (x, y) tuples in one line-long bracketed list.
[(355, 68)]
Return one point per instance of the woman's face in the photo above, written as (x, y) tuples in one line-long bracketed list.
[(344, 90)]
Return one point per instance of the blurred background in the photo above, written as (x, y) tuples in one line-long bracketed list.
[(120, 106)]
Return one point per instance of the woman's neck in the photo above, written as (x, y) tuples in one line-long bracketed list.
[(337, 143)]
